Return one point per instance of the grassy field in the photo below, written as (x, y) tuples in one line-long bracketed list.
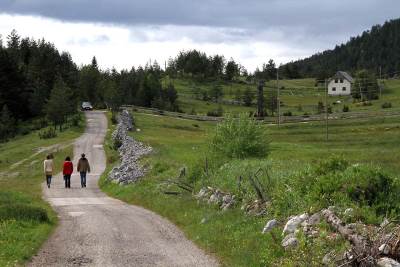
[(26, 219), (298, 96), (232, 237)]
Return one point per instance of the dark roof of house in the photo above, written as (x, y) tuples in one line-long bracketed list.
[(343, 75)]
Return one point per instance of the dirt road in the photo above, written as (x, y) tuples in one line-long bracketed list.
[(96, 230)]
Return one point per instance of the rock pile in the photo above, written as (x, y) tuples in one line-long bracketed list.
[(127, 120), (130, 151), (308, 224), (213, 196)]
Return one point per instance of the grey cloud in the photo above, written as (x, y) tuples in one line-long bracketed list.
[(317, 16), (308, 25)]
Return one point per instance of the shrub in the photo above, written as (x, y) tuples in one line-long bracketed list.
[(76, 119), (287, 113), (47, 133), (23, 212), (387, 105), (346, 108), (240, 137), (372, 193)]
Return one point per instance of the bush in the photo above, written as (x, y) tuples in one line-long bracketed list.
[(335, 182), (346, 108), (47, 133), (23, 212), (387, 105), (240, 137), (287, 113), (76, 119)]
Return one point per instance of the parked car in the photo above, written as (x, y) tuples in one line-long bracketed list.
[(87, 106)]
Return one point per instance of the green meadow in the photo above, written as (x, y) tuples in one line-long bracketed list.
[(298, 153)]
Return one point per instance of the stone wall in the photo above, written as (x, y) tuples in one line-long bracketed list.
[(130, 151)]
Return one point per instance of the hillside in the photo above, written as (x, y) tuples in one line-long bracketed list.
[(299, 97), (374, 48)]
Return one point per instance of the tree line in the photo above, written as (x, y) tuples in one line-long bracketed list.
[(38, 81)]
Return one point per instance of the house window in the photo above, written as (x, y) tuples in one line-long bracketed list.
[(341, 80), (333, 89), (344, 89), (336, 80)]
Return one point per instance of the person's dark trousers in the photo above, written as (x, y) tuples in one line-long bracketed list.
[(48, 179), (67, 179), (83, 179)]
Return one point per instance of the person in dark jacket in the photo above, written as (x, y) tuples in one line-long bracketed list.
[(83, 168), (68, 168)]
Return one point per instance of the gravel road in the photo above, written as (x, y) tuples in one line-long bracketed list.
[(96, 230)]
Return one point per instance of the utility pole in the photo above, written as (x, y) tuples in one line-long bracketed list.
[(380, 82), (326, 110), (279, 98)]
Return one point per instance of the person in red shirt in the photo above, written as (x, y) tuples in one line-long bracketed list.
[(68, 168)]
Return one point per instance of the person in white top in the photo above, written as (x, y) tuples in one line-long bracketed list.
[(48, 169)]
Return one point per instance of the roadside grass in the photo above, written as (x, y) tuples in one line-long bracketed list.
[(26, 220), (295, 151)]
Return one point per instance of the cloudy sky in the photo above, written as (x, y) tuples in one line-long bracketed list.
[(125, 33)]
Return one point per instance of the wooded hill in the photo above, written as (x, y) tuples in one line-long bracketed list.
[(374, 48)]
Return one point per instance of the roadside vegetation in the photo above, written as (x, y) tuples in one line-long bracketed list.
[(301, 172), (26, 220)]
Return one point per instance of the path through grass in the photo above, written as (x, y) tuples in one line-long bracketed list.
[(26, 219)]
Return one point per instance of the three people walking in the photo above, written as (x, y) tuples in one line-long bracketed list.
[(67, 170)]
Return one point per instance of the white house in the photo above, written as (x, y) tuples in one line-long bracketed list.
[(340, 84)]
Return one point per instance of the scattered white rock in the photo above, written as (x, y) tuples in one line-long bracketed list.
[(269, 226), (290, 241), (387, 262), (203, 221), (216, 197), (293, 223), (384, 249), (314, 219)]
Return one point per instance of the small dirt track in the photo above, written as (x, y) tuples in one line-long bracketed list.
[(96, 230)]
